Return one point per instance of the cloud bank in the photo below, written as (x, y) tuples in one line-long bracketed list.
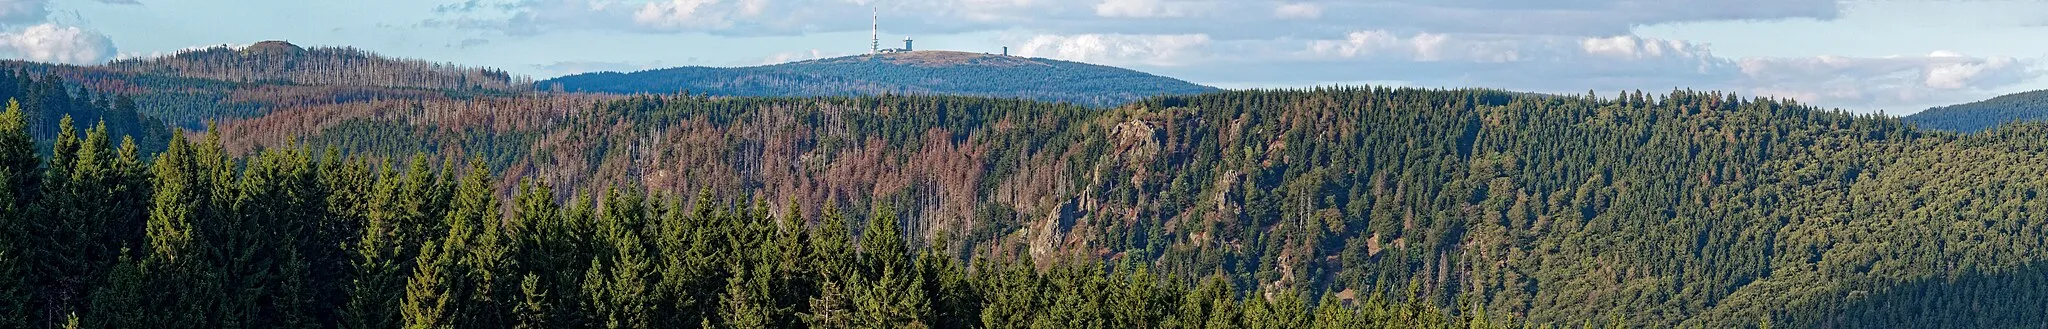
[(1548, 46), (57, 44), (29, 35)]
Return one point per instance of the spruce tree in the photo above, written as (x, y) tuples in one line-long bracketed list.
[(426, 300), (622, 300), (891, 294), (532, 311), (172, 256), (475, 235), (119, 300), (60, 234), (14, 293), (18, 158), (746, 303)]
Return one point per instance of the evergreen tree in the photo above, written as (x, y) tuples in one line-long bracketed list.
[(174, 262), (746, 303), (832, 308), (61, 235), (891, 292), (621, 296), (14, 284), (476, 236), (18, 155), (427, 301), (533, 311), (119, 301)]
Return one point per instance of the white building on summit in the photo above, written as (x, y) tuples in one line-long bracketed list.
[(875, 39)]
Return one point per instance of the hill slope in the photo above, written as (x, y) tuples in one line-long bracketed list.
[(193, 87), (283, 62), (1691, 209), (1980, 115), (924, 72)]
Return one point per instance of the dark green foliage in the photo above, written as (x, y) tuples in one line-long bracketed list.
[(211, 258), (1985, 114), (1385, 207), (1686, 208), (48, 99), (925, 72)]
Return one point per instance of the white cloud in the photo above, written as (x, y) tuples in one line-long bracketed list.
[(1936, 78), (57, 44), (1224, 20), (1439, 47), (780, 58), (1152, 50), (696, 15), (1143, 9), (1632, 47), (1566, 64), (1552, 46), (1298, 11)]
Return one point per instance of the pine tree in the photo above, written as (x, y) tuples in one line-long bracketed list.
[(1331, 313), (379, 275), (892, 295), (622, 299), (112, 219), (746, 303), (14, 293), (832, 308), (476, 236), (882, 246), (426, 293), (61, 234), (172, 257), (18, 162), (795, 271), (834, 247), (18, 158), (118, 303), (532, 311), (550, 247)]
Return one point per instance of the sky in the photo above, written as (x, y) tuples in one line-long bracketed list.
[(1873, 56)]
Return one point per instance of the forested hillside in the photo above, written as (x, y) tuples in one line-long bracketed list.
[(920, 72), (283, 62), (92, 237), (1688, 208), (1985, 114), (191, 88), (49, 100)]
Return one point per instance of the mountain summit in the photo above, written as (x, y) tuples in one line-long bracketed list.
[(918, 72)]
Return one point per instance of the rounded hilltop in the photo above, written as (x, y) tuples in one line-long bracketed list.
[(935, 58), (905, 72), (273, 47)]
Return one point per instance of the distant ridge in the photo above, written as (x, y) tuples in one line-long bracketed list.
[(923, 72), (1985, 114), (284, 62)]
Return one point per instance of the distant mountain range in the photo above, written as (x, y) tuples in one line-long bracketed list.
[(1985, 114), (921, 72), (192, 87)]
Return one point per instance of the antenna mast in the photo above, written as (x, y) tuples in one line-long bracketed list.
[(875, 34)]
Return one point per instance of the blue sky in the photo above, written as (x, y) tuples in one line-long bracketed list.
[(1894, 56)]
